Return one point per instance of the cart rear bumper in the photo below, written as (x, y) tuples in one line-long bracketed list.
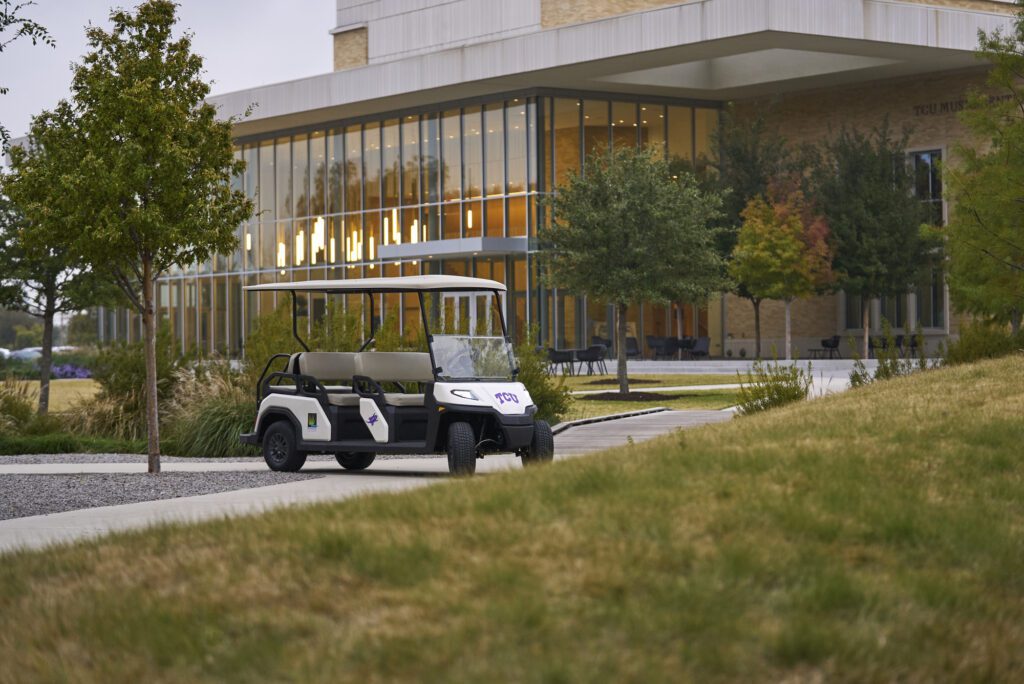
[(250, 438)]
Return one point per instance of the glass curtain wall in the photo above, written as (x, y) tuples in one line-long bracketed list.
[(329, 199)]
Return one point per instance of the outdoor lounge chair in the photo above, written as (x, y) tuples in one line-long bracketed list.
[(701, 348), (563, 359), (594, 357), (831, 345), (632, 348)]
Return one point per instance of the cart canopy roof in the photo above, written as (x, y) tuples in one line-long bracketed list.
[(420, 283)]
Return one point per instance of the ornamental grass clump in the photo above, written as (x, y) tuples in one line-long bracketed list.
[(16, 405), (208, 411), (772, 385)]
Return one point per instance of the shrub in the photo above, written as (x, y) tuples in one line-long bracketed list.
[(890, 364), (208, 411), (63, 443), (772, 385), (120, 369), (982, 340), (550, 394), (271, 334)]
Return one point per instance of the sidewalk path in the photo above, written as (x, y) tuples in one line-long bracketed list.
[(384, 476)]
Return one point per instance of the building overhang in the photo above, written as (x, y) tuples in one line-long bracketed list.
[(714, 50), (454, 249)]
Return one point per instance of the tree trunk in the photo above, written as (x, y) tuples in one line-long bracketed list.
[(865, 316), (789, 335), (46, 360), (1015, 321), (149, 324), (757, 326), (620, 344), (679, 330)]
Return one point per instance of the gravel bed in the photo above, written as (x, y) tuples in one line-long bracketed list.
[(33, 459), (25, 495)]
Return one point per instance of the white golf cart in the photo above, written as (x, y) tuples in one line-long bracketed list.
[(356, 405)]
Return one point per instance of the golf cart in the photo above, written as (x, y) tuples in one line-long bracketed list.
[(358, 404)]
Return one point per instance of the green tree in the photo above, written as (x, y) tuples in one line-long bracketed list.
[(984, 241), (149, 166), (42, 273), (750, 155), (782, 253), (863, 186), (626, 231), (14, 26)]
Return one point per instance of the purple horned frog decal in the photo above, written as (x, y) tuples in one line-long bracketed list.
[(372, 420), (506, 398)]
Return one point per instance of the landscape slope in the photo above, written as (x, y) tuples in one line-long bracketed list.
[(873, 535)]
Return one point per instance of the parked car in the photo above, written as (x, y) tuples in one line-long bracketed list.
[(26, 354)]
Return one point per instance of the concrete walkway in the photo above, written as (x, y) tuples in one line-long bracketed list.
[(384, 476)]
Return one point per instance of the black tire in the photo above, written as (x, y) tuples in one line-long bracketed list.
[(542, 446), (279, 448), (461, 448), (355, 461)]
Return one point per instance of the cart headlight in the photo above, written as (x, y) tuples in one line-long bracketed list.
[(465, 394)]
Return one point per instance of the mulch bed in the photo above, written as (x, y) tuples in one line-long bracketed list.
[(614, 381), (631, 396)]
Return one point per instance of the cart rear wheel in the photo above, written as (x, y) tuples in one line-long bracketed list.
[(279, 448), (461, 449), (542, 446), (355, 461)]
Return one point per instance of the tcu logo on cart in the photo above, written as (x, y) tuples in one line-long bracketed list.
[(506, 398), (372, 420)]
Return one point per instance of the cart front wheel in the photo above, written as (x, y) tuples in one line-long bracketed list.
[(279, 448), (355, 461), (461, 449), (542, 446)]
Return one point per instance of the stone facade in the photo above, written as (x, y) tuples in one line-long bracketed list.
[(350, 49), (561, 12)]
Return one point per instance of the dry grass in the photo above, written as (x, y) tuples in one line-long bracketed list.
[(65, 394), (876, 535)]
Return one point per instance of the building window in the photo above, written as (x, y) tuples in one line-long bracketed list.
[(931, 292)]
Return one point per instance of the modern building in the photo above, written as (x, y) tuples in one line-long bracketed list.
[(444, 122)]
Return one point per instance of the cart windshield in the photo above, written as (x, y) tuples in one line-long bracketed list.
[(467, 336)]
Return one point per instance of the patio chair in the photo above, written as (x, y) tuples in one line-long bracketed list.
[(561, 358), (701, 348), (632, 348), (655, 344), (669, 349), (831, 345), (606, 341), (594, 357)]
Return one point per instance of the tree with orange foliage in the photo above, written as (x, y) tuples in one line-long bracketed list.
[(782, 252)]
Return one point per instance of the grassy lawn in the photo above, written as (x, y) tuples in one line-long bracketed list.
[(610, 382), (701, 399), (66, 393), (874, 535)]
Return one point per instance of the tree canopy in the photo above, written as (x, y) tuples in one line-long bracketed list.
[(149, 165), (628, 230), (863, 187), (14, 26), (985, 241), (43, 273), (782, 252)]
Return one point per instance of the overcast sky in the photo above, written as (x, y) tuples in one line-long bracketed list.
[(244, 43)]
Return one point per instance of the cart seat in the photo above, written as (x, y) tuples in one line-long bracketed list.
[(399, 399), (397, 367), (328, 365), (343, 399)]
